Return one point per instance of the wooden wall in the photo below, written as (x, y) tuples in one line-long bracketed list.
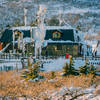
[(60, 50)]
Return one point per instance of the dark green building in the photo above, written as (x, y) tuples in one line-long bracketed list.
[(59, 41)]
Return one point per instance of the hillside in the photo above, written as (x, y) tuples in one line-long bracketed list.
[(82, 13)]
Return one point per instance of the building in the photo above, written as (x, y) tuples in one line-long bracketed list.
[(61, 40), (58, 41), (19, 39)]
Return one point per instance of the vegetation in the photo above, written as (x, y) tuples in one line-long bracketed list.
[(32, 72), (11, 84), (53, 75), (69, 69), (87, 68)]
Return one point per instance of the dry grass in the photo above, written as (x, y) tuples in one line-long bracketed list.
[(11, 84)]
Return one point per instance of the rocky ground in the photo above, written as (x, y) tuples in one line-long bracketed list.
[(82, 87)]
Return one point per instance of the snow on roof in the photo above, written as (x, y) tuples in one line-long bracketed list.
[(51, 41), (68, 41), (59, 27), (27, 40), (47, 27), (23, 28)]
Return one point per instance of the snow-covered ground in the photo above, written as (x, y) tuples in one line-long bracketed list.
[(49, 64), (58, 64), (52, 65), (10, 64), (76, 93)]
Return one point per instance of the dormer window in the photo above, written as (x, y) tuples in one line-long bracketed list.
[(56, 35)]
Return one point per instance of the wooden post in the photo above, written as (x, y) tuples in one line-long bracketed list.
[(22, 61), (13, 41)]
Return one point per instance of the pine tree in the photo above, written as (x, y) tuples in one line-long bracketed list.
[(85, 69), (69, 69), (33, 72), (92, 69)]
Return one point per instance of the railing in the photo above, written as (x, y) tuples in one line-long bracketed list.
[(75, 58), (15, 61), (51, 57), (12, 56), (10, 61), (9, 56), (7, 65), (91, 60), (87, 57), (19, 56)]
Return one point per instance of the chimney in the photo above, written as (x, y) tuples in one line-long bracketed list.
[(25, 16)]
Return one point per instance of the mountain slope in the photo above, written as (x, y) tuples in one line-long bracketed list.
[(83, 13)]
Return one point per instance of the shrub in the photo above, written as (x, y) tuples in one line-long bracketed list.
[(32, 72), (87, 68), (53, 75), (92, 69), (69, 69), (84, 69)]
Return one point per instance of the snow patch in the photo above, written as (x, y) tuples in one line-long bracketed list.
[(58, 64)]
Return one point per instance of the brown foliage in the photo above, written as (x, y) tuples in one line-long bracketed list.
[(11, 84)]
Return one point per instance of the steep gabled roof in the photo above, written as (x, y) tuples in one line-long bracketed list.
[(7, 35), (66, 34)]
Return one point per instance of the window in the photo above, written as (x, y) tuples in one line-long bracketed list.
[(59, 47), (56, 35), (17, 35)]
